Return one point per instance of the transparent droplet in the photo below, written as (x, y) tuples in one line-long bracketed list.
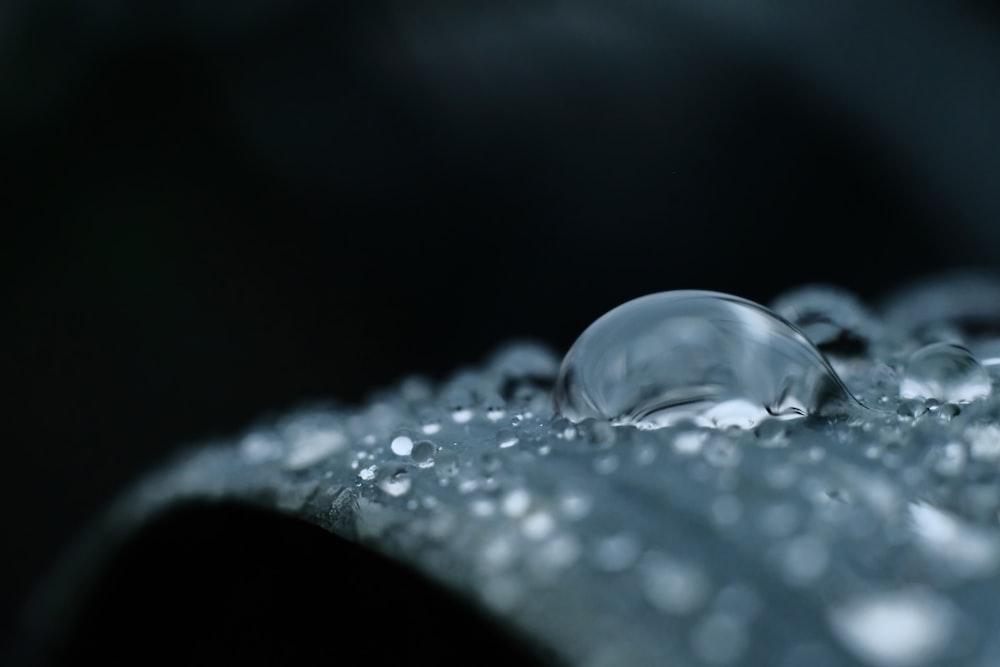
[(702, 356), (944, 371), (423, 453), (401, 445), (395, 481), (832, 318)]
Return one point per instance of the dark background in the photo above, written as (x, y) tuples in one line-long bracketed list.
[(215, 212)]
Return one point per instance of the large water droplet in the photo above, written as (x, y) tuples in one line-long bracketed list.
[(946, 372), (691, 354)]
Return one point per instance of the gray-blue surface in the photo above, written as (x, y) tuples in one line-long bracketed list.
[(719, 531)]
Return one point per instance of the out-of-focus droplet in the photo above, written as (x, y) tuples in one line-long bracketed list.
[(423, 453), (394, 480), (944, 371), (716, 359), (401, 445), (671, 585), (902, 628), (953, 307), (832, 318), (967, 549)]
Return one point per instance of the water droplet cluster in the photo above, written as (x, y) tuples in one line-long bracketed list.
[(702, 480)]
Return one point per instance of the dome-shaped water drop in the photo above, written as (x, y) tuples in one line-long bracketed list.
[(716, 359), (944, 371)]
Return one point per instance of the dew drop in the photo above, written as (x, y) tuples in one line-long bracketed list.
[(944, 371), (401, 445), (716, 359), (395, 481), (423, 453)]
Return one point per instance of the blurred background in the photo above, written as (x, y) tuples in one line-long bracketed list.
[(212, 212)]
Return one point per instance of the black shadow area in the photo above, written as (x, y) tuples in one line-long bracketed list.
[(228, 584)]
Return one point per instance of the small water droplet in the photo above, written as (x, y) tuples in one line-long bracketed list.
[(946, 372), (911, 408), (666, 357), (395, 481), (947, 412), (401, 445), (423, 453), (495, 407), (506, 438), (901, 628), (430, 421)]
